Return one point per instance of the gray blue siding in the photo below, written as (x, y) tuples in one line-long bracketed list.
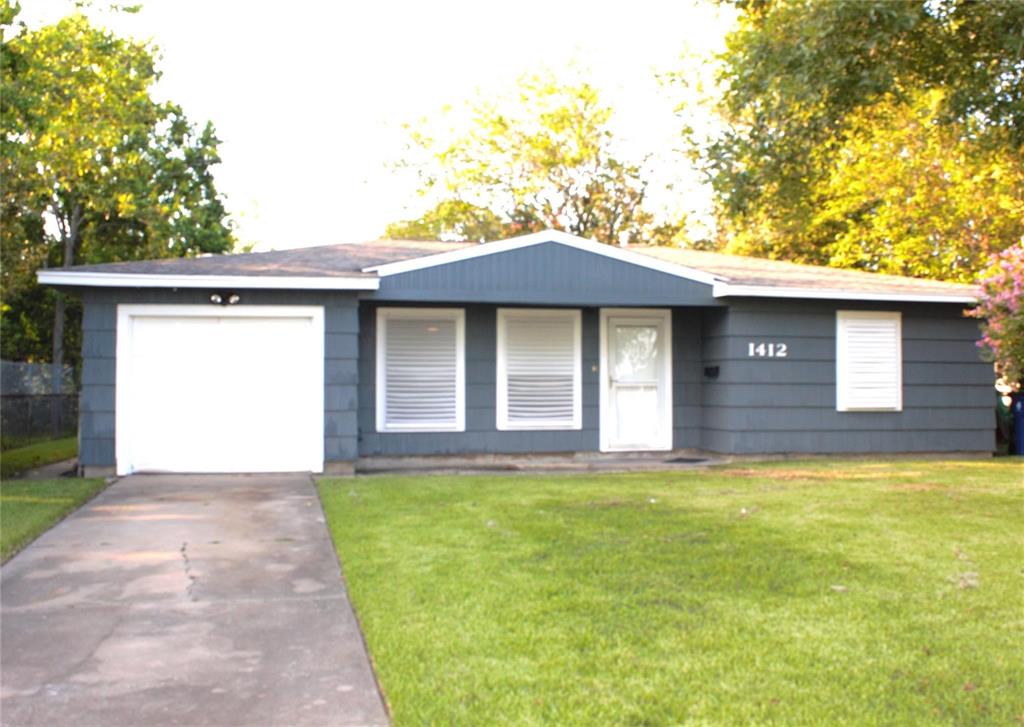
[(687, 377), (545, 274), (759, 405), (99, 345), (96, 399), (754, 405), (482, 435)]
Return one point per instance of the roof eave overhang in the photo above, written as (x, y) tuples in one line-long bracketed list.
[(73, 278), (726, 290)]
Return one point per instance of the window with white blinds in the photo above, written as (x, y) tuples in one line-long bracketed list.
[(420, 369), (869, 361), (538, 369)]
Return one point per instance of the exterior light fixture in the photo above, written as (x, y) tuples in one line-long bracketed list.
[(225, 298)]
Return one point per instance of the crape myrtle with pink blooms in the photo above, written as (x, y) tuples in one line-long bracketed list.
[(1002, 310)]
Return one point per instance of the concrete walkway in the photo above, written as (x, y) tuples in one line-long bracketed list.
[(185, 600), (50, 471)]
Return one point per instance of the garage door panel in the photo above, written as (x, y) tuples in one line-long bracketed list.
[(231, 391)]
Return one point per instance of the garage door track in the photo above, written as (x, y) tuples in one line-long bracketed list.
[(185, 600)]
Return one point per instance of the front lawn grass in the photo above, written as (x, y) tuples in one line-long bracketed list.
[(817, 592), (16, 461), (30, 507)]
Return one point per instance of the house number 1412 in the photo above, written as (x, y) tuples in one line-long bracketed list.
[(767, 350)]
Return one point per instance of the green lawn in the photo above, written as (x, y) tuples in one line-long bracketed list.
[(856, 592), (16, 461), (30, 507)]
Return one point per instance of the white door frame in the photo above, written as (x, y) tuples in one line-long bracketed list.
[(663, 317), (123, 409)]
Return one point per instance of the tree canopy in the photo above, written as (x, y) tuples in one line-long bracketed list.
[(95, 170), (546, 160), (878, 134)]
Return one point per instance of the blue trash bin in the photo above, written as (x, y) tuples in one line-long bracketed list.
[(1017, 417)]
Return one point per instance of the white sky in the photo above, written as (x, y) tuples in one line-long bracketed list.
[(309, 97)]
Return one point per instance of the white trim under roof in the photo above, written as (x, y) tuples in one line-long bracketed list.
[(539, 238), (154, 280), (726, 290)]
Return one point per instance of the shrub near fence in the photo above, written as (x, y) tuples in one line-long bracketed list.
[(37, 401)]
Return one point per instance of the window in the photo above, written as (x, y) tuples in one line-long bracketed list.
[(869, 367), (538, 369), (421, 369)]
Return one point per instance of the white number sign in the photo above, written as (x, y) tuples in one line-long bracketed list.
[(760, 349)]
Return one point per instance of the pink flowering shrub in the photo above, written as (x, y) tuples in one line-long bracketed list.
[(1002, 309)]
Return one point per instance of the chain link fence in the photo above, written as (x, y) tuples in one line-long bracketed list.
[(37, 401)]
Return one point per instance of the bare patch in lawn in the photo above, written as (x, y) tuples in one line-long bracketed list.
[(918, 487), (607, 504), (778, 474)]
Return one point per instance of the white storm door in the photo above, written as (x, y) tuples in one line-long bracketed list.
[(211, 389), (636, 375)]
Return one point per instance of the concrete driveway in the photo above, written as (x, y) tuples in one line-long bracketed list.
[(185, 600)]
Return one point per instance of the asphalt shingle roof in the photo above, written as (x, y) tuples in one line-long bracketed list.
[(739, 270), (349, 260)]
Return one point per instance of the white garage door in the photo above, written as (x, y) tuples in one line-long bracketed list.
[(210, 389)]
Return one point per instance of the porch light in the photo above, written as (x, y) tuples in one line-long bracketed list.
[(225, 298)]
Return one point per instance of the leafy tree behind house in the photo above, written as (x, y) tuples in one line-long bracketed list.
[(546, 160), (877, 134), (95, 170)]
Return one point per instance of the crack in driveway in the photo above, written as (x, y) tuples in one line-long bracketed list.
[(190, 588)]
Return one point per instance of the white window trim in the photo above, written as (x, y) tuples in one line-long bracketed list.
[(503, 423), (842, 359), (456, 314)]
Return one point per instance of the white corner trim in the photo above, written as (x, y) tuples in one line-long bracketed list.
[(150, 280), (539, 238), (725, 290)]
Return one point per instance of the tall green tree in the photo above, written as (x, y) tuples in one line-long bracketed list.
[(820, 97), (547, 159), (94, 169), (908, 195)]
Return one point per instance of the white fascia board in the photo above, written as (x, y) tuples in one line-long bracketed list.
[(725, 290), (148, 280), (539, 238)]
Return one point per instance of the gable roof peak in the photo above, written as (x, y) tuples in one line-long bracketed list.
[(539, 238)]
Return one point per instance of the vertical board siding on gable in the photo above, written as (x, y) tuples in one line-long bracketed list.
[(545, 274), (759, 405), (99, 344)]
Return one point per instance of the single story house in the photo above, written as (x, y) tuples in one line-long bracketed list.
[(323, 358)]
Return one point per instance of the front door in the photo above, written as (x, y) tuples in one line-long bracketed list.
[(636, 376)]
